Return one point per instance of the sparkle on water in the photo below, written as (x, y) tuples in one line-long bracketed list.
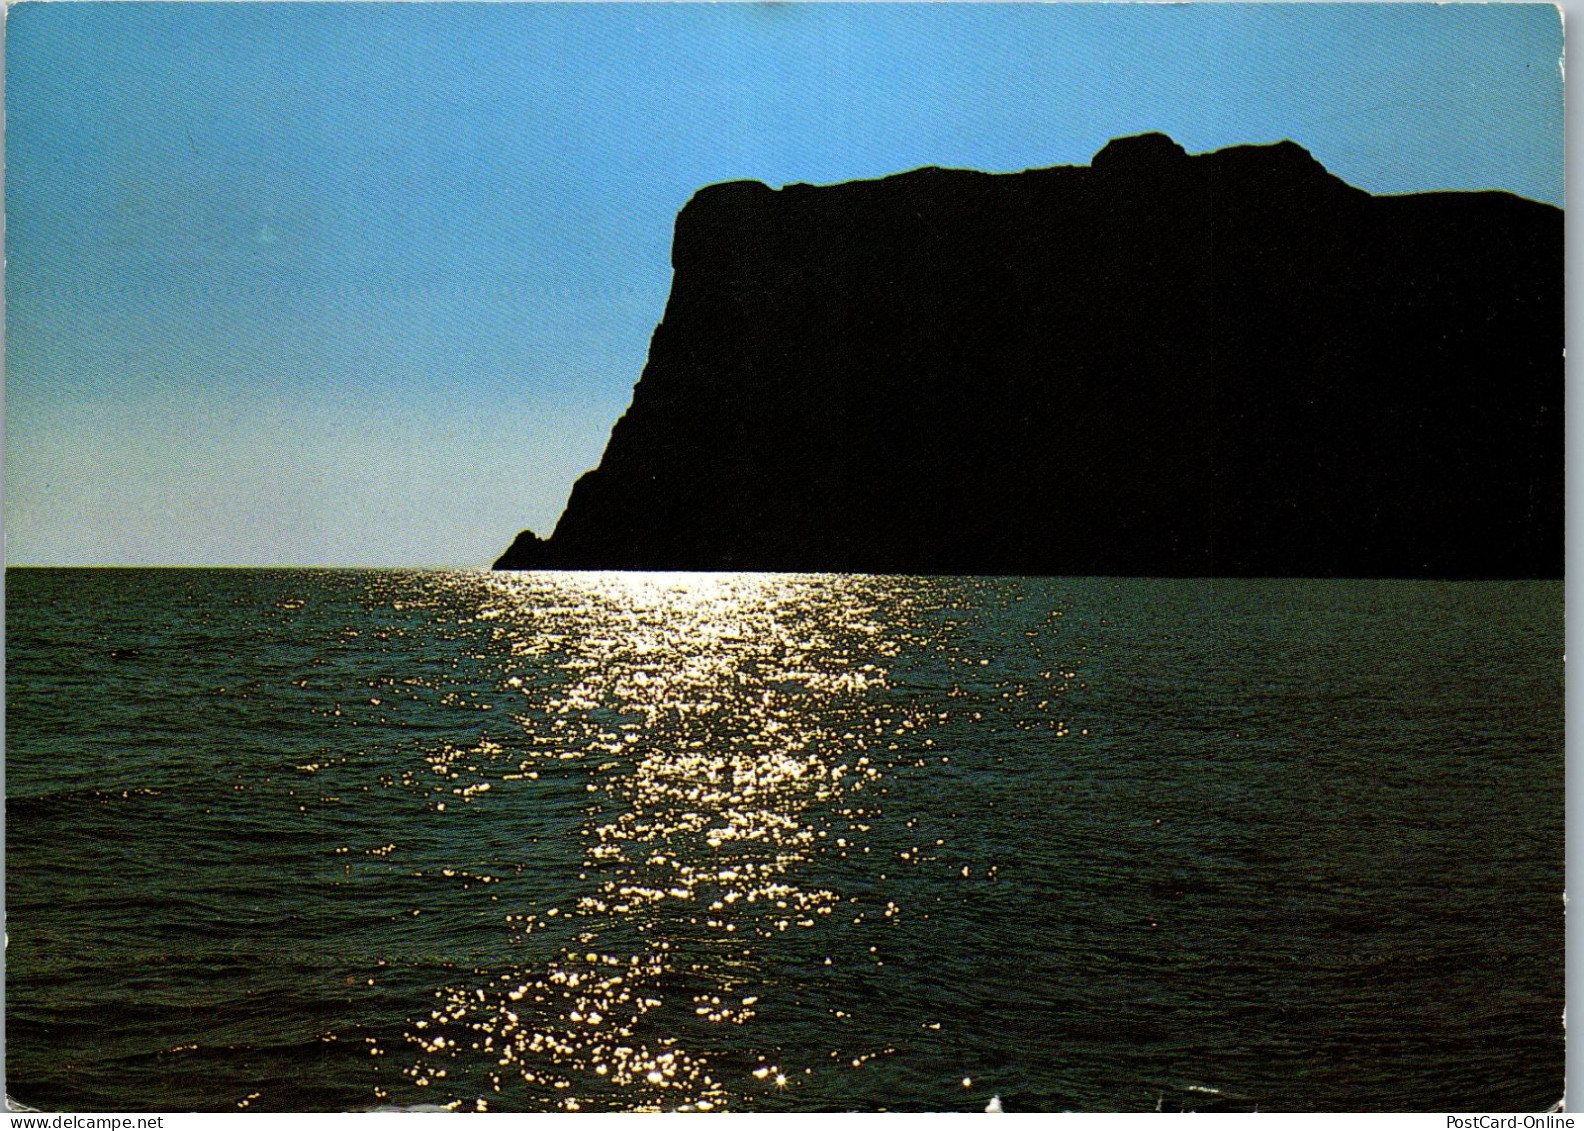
[(735, 734)]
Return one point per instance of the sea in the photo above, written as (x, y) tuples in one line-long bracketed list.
[(341, 840)]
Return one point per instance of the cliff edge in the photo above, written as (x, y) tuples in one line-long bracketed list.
[(1229, 364)]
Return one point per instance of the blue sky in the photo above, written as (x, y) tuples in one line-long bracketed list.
[(361, 284)]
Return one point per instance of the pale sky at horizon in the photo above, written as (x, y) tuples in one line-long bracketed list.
[(367, 284)]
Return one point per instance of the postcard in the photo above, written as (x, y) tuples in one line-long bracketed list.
[(782, 557)]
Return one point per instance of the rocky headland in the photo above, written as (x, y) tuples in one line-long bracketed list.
[(1229, 364)]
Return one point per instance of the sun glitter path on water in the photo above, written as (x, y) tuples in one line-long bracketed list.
[(719, 718)]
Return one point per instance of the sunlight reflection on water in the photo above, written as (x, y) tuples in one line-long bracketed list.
[(722, 710)]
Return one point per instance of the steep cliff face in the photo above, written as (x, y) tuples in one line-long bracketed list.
[(1231, 364)]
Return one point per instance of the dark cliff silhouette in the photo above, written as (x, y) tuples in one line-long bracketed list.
[(1231, 364)]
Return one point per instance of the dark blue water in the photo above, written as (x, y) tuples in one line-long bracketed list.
[(292, 839)]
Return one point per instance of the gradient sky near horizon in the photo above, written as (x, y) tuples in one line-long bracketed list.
[(367, 284)]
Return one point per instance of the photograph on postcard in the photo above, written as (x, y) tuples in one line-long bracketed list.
[(784, 557)]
